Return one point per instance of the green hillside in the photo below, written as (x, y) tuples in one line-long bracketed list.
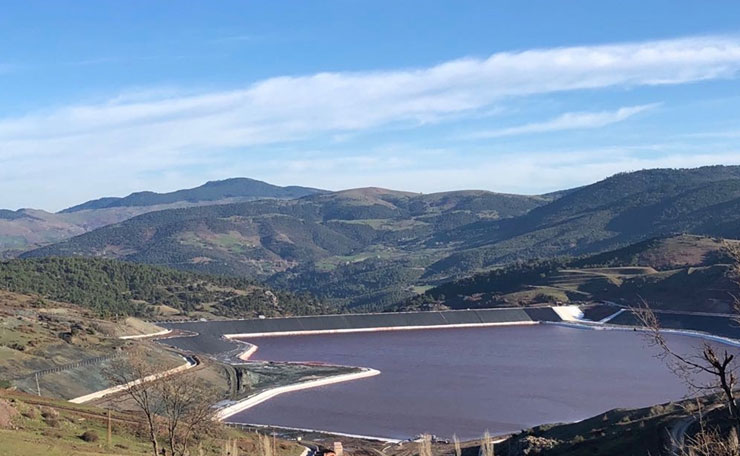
[(302, 244), (112, 287), (371, 247), (618, 211), (691, 273)]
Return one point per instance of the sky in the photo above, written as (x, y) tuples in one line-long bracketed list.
[(104, 98)]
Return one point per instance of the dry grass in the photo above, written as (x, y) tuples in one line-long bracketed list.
[(709, 442)]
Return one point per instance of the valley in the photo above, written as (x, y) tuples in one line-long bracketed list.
[(316, 263)]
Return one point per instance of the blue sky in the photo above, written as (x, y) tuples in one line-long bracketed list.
[(107, 97)]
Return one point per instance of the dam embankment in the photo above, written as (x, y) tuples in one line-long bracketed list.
[(213, 337)]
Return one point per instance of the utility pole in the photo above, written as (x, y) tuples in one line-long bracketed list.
[(110, 430), (38, 387)]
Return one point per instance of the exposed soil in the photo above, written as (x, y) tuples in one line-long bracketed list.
[(7, 413)]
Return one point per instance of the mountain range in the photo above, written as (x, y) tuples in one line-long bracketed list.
[(26, 229), (370, 248)]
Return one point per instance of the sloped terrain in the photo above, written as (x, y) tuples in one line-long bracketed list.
[(369, 248), (618, 211), (292, 241), (26, 229), (111, 288), (692, 273)]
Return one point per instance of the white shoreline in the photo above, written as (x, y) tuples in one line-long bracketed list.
[(570, 315), (252, 401), (259, 398), (319, 431), (119, 388), (377, 329), (143, 336), (596, 326)]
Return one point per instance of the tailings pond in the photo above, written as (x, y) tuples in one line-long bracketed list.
[(466, 381)]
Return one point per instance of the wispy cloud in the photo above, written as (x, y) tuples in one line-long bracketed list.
[(8, 67), (125, 136), (567, 121), (242, 38)]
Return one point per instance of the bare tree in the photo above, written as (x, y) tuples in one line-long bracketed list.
[(180, 404), (716, 364), (187, 409), (130, 372)]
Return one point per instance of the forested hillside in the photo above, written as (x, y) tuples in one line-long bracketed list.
[(682, 273), (113, 288), (313, 244), (618, 211), (371, 247)]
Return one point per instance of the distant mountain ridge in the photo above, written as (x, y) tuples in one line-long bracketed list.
[(27, 229), (240, 187)]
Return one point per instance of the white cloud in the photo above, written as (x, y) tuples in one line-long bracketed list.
[(533, 173), (286, 108), (128, 136), (567, 121)]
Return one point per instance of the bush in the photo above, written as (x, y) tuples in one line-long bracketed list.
[(50, 416), (51, 422), (90, 436), (48, 412), (30, 412)]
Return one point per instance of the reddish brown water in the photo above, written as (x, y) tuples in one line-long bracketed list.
[(465, 381)]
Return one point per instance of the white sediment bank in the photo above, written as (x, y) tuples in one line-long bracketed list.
[(602, 325), (144, 336), (118, 388), (270, 393), (376, 329), (245, 355), (319, 431)]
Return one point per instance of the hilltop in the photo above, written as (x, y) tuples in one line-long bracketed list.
[(229, 189), (26, 229)]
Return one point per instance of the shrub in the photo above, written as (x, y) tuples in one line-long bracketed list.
[(30, 412), (48, 412), (50, 416), (51, 421), (90, 436)]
